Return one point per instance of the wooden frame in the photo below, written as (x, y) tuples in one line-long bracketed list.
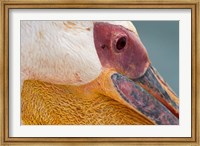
[(193, 5)]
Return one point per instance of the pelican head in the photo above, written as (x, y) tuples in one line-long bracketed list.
[(98, 58)]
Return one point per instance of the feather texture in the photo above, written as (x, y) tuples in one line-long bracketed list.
[(60, 52)]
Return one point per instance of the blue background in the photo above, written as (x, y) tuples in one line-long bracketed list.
[(161, 39)]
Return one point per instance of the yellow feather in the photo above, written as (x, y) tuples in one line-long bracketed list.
[(47, 104)]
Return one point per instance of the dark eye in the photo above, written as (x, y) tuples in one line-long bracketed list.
[(121, 43)]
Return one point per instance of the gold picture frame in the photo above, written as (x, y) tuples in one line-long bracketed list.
[(128, 4)]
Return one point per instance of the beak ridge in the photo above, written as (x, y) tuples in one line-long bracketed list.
[(154, 84), (147, 95)]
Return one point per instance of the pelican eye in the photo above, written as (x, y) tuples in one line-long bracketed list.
[(121, 43)]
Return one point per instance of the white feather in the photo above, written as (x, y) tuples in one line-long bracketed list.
[(60, 52)]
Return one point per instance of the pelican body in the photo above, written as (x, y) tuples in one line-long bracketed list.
[(90, 72)]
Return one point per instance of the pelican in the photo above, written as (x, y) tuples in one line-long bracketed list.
[(91, 72)]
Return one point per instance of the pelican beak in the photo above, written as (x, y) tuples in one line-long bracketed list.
[(149, 95)]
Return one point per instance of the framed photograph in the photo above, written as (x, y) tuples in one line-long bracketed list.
[(104, 72)]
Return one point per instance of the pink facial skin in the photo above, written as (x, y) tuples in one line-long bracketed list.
[(121, 49)]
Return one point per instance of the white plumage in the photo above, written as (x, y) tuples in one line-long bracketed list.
[(60, 52)]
